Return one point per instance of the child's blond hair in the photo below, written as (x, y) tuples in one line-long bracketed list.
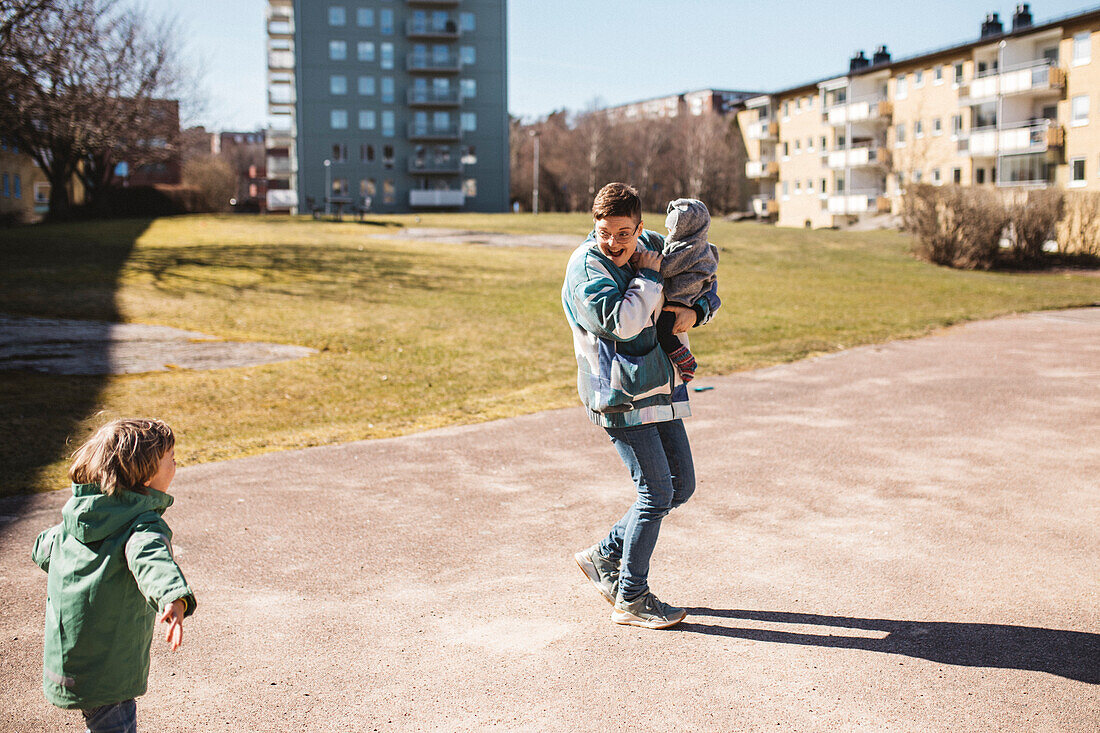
[(122, 455)]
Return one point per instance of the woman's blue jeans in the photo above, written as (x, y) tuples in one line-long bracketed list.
[(659, 459)]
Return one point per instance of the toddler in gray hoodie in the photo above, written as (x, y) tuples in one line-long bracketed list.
[(689, 268)]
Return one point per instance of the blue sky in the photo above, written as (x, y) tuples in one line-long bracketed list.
[(570, 53)]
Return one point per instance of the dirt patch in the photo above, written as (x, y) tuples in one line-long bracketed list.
[(70, 347)]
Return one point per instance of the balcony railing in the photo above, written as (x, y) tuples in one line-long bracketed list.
[(433, 98), (765, 205), (875, 108), (1033, 136), (761, 168), (434, 132), (425, 167), (436, 199), (858, 202), (448, 29), (425, 64), (858, 157), (279, 166), (764, 130), (1039, 75)]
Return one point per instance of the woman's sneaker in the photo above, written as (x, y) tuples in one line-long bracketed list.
[(602, 571), (647, 611)]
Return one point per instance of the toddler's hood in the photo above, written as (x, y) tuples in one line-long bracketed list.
[(91, 516), (687, 219)]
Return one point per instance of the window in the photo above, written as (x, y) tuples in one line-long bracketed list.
[(366, 86), (365, 50), (469, 187), (337, 50), (367, 187), (1077, 172), (899, 134), (16, 186), (41, 193), (468, 88), (786, 109), (918, 128), (337, 16), (387, 55), (918, 79), (1082, 48), (364, 17), (824, 142), (1080, 111), (385, 21), (5, 185), (979, 176), (339, 153), (387, 124), (937, 75), (338, 119), (469, 155), (937, 126), (797, 187), (840, 184), (956, 175), (387, 156), (366, 119), (956, 125), (786, 150), (786, 189), (441, 121), (338, 84), (824, 184), (917, 176), (797, 146), (809, 185), (936, 179), (340, 187), (466, 22), (387, 89), (366, 152), (902, 87), (389, 193), (468, 55), (469, 121)]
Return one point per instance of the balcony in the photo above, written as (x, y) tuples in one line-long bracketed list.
[(761, 169), (1033, 77), (765, 206), (280, 166), (764, 130), (416, 64), (859, 202), (427, 30), (424, 167), (434, 133), (876, 109), (435, 3), (858, 157), (436, 199), (433, 98), (1026, 137)]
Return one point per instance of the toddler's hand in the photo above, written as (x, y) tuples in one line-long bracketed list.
[(173, 616), (643, 259)]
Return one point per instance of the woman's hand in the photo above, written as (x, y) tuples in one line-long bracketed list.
[(685, 318), (644, 259)]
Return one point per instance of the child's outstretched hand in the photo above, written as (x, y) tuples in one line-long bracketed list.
[(173, 616)]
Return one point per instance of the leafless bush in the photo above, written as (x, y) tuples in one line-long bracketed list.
[(214, 179), (1079, 230), (1033, 218), (955, 226)]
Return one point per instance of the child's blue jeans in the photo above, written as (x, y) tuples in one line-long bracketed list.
[(659, 458), (119, 717)]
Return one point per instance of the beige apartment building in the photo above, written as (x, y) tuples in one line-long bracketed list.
[(1018, 107)]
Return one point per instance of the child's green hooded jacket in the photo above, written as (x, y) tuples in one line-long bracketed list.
[(110, 571)]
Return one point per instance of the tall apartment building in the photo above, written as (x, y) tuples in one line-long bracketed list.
[(1017, 107), (401, 101)]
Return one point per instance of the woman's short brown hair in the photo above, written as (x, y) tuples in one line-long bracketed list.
[(617, 199), (122, 455)]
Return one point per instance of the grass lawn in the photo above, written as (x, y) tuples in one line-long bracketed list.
[(414, 335)]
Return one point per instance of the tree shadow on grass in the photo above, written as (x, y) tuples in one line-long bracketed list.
[(1074, 655), (54, 271)]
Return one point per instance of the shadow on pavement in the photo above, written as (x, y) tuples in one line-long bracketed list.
[(54, 271), (1074, 655)]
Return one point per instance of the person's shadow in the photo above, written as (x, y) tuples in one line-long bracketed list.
[(1074, 655)]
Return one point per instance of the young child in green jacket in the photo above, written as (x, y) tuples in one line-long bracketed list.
[(111, 574)]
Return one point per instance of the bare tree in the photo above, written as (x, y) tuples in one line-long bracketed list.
[(80, 82)]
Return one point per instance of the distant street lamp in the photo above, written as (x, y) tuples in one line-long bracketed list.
[(328, 184), (535, 184)]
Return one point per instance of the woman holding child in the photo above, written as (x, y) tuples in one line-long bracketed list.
[(613, 295)]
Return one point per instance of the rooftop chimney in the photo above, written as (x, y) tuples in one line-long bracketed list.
[(882, 56), (859, 61), (992, 25), (1022, 17)]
